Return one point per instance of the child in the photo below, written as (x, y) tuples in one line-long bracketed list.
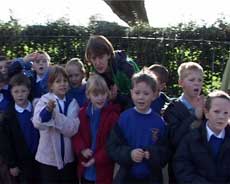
[(97, 119), (4, 63), (56, 117), (114, 66), (203, 154), (133, 143), (162, 78), (22, 137), (40, 64), (76, 72), (181, 112)]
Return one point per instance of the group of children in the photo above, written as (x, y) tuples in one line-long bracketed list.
[(56, 126)]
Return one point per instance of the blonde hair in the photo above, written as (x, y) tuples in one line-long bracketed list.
[(77, 62), (96, 85), (185, 68)]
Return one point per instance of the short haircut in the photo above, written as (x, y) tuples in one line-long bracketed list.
[(96, 85), (44, 53), (161, 72), (20, 80), (145, 75), (54, 72), (213, 95), (77, 62), (97, 46), (185, 68)]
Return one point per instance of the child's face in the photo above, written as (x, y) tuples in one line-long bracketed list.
[(60, 86), (75, 75), (98, 100), (20, 94), (100, 63), (142, 96), (40, 64), (4, 67), (192, 83), (218, 115)]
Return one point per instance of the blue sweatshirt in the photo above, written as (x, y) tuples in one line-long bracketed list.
[(141, 131)]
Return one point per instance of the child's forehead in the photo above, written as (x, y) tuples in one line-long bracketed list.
[(192, 72), (41, 57), (19, 86), (4, 62)]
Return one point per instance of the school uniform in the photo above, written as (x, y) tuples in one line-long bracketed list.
[(203, 157), (94, 130), (56, 129), (79, 94), (138, 130), (179, 116), (23, 140), (160, 102)]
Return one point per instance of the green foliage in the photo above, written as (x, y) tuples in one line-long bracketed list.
[(170, 46)]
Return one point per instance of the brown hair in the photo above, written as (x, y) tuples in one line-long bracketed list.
[(98, 45), (145, 75), (161, 72), (20, 80), (55, 71), (213, 95)]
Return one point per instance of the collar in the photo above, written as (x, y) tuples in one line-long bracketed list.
[(186, 102), (147, 112), (21, 110), (221, 135), (59, 99)]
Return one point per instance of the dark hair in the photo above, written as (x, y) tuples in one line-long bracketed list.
[(213, 95), (145, 75), (55, 71), (20, 80), (161, 72), (98, 45)]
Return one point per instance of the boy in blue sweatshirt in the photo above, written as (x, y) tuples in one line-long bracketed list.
[(134, 142), (21, 136)]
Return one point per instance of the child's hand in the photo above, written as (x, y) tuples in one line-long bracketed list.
[(146, 155), (51, 105), (137, 155), (89, 163), (87, 153), (199, 107), (14, 171), (30, 57)]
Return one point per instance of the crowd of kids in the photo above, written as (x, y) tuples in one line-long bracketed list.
[(60, 125)]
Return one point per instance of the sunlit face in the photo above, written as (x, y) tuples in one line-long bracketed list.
[(60, 86), (20, 94), (100, 63), (98, 100), (4, 67), (218, 115), (192, 83), (142, 96), (75, 75), (40, 64)]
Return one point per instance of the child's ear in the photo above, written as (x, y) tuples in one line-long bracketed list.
[(206, 113)]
